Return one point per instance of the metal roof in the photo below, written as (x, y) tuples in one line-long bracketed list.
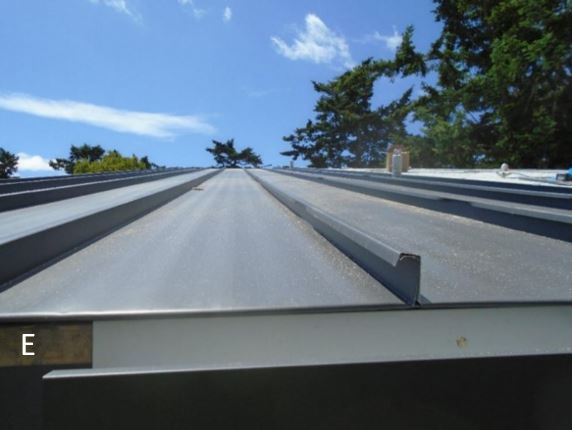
[(211, 241)]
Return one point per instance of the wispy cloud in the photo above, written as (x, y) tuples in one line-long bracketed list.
[(198, 13), (316, 43), (227, 14), (119, 6), (32, 163), (160, 125), (391, 42)]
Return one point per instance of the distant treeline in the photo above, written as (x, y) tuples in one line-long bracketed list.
[(82, 159), (503, 93), (94, 159)]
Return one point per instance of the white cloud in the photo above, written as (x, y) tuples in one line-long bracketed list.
[(34, 163), (142, 123), (227, 14), (391, 42), (119, 6), (197, 12), (316, 43)]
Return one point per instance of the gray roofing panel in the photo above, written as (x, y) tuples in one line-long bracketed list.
[(22, 222), (462, 260), (227, 245)]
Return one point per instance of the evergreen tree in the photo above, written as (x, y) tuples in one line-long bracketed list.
[(346, 130), (112, 161), (77, 153), (507, 64), (503, 93), (8, 163), (226, 155)]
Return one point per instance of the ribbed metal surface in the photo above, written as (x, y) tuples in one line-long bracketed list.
[(463, 260), (26, 194), (225, 246), (547, 221), (230, 245)]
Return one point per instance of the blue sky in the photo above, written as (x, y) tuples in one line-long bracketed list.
[(163, 78)]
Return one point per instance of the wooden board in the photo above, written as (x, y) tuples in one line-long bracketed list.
[(52, 344)]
